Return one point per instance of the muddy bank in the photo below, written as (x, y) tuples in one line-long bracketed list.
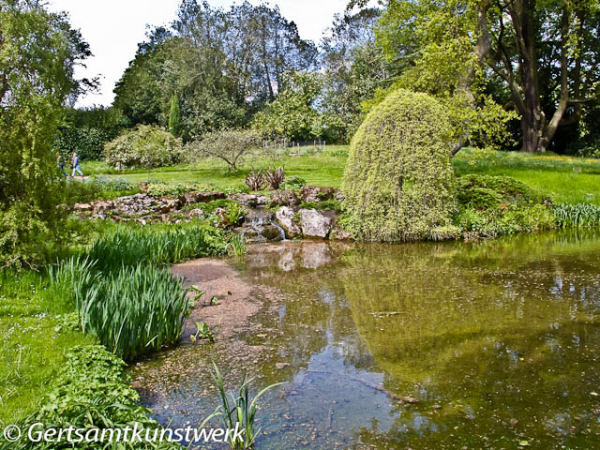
[(236, 300)]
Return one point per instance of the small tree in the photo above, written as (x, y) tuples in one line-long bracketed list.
[(399, 182), (175, 117), (230, 146)]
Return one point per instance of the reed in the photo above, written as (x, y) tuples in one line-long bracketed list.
[(577, 216), (239, 407), (130, 246)]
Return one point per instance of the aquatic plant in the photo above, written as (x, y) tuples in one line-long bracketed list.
[(577, 216), (135, 311), (130, 246), (203, 332), (237, 245), (239, 408)]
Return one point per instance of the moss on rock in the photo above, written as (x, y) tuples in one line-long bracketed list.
[(399, 182)]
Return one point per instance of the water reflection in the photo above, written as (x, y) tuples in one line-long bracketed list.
[(452, 345)]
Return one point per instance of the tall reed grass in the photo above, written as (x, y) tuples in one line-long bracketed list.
[(577, 216), (129, 246), (132, 311)]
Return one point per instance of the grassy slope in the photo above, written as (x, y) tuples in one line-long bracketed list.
[(31, 350), (568, 179)]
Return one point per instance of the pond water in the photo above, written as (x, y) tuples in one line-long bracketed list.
[(423, 346)]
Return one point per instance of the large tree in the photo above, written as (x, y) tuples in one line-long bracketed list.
[(545, 52), (38, 53)]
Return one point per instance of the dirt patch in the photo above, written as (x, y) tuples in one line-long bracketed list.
[(236, 301)]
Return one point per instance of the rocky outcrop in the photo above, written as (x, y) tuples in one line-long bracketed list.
[(286, 219), (316, 224), (250, 200), (285, 198), (316, 194)]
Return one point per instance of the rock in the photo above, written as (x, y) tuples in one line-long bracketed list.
[(285, 198), (258, 217), (316, 224), (196, 214), (285, 218), (101, 215), (83, 207), (192, 198), (281, 366), (170, 204), (250, 200), (271, 233), (315, 194), (339, 234), (102, 205)]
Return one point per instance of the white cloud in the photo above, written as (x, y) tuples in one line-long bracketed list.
[(113, 28)]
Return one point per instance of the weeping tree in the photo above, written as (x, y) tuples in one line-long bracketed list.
[(38, 51), (398, 180)]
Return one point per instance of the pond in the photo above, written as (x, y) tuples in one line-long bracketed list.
[(425, 346)]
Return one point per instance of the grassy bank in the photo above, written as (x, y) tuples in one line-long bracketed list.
[(34, 340), (567, 179)]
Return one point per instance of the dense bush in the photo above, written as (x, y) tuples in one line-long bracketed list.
[(399, 182), (88, 142), (90, 392), (487, 192), (145, 147)]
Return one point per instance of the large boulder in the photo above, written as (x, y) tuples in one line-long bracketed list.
[(285, 217), (316, 224), (250, 200)]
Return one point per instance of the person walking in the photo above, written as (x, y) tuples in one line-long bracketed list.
[(61, 164), (76, 165)]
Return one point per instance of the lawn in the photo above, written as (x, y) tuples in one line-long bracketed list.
[(32, 349), (567, 179)]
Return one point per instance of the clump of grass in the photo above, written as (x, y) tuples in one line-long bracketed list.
[(255, 180), (577, 216), (275, 177), (237, 245), (326, 205), (132, 312), (239, 408), (130, 246)]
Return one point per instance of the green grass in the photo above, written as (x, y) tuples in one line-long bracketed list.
[(32, 350), (567, 179)]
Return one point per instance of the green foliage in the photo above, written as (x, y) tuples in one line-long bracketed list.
[(505, 221), (91, 391), (239, 408), (88, 143), (482, 192), (175, 117), (577, 216), (204, 331), (399, 183), (230, 146), (37, 77), (146, 147), (236, 246), (135, 311), (295, 114), (293, 183), (326, 205), (156, 245), (158, 189)]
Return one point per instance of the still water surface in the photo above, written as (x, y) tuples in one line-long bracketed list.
[(423, 346)]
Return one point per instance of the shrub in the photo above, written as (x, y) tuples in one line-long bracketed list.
[(144, 147), (88, 142), (90, 392), (293, 183), (483, 192), (399, 182), (229, 146), (326, 205), (275, 177), (255, 180)]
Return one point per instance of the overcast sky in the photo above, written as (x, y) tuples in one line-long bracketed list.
[(113, 28)]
